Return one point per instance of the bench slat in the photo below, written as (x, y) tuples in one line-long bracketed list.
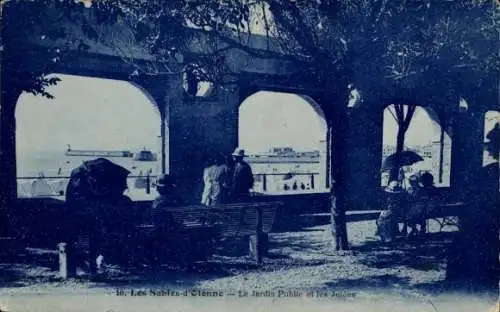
[(231, 219)]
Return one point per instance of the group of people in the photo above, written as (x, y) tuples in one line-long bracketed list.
[(95, 195), (408, 207), (227, 180), (224, 182)]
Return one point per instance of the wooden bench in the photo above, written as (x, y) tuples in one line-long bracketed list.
[(445, 214), (232, 221), (195, 223)]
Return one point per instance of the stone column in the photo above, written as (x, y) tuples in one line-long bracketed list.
[(165, 91), (196, 128), (467, 149), (364, 146), (473, 258), (8, 182)]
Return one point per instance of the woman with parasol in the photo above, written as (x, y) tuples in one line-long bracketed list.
[(397, 200), (97, 205), (388, 221)]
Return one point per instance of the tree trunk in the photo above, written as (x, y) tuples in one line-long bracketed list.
[(338, 192), (400, 142), (328, 157), (403, 119), (338, 220)]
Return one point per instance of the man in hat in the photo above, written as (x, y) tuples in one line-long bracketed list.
[(172, 240), (242, 177)]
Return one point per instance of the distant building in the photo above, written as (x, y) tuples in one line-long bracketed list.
[(283, 169), (285, 155)]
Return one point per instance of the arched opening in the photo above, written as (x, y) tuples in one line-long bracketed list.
[(87, 119), (491, 137), (423, 134), (285, 136), (195, 81)]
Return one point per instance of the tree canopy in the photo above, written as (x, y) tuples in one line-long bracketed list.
[(396, 44)]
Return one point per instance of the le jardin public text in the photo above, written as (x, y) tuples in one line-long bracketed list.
[(133, 292)]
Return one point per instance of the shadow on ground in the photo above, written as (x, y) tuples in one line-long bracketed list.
[(372, 282), (409, 265), (426, 253)]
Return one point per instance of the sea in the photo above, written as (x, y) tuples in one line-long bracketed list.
[(56, 163), (47, 173)]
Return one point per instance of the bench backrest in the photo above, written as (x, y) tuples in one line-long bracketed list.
[(232, 219), (241, 219)]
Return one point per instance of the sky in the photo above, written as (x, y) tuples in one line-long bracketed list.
[(91, 113), (422, 129), (88, 113), (269, 119), (291, 121)]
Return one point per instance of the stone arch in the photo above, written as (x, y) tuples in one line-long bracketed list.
[(317, 108), (491, 137), (435, 146), (139, 94), (319, 172)]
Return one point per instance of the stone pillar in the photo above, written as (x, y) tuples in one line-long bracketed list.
[(467, 149), (364, 149), (197, 127), (163, 90), (473, 257), (8, 182)]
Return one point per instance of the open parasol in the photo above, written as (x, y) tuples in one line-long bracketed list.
[(401, 159), (97, 177)]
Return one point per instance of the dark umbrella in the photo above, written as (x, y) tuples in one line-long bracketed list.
[(97, 177), (404, 158)]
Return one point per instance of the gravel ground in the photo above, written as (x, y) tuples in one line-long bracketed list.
[(302, 270)]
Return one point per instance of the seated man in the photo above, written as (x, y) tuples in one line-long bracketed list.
[(168, 199), (423, 198), (98, 211), (173, 241)]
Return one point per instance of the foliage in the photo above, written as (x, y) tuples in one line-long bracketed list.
[(374, 43), (393, 43), (50, 22), (163, 29)]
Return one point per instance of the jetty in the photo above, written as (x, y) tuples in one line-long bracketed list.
[(98, 153)]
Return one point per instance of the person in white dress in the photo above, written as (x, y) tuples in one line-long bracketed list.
[(216, 179), (219, 177), (206, 196)]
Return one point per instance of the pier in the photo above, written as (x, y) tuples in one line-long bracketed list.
[(98, 153)]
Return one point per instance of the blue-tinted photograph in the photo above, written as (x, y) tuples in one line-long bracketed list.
[(249, 155)]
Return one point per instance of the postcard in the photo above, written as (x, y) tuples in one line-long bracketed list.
[(249, 155)]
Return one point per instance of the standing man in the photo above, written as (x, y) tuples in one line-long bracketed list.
[(242, 177)]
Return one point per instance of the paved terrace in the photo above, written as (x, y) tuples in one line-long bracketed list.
[(403, 276)]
